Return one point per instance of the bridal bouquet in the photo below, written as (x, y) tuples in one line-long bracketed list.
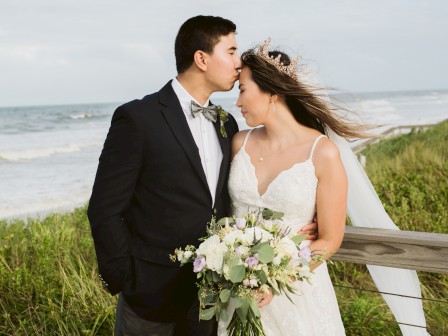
[(238, 260)]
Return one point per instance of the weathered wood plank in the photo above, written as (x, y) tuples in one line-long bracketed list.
[(421, 251)]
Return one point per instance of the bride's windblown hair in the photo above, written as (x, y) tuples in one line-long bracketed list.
[(274, 72)]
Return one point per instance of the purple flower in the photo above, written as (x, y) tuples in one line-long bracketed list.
[(251, 261), (305, 253), (198, 264), (240, 223)]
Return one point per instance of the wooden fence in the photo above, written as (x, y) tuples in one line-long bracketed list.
[(421, 251)]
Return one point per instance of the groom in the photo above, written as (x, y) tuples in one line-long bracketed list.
[(162, 175)]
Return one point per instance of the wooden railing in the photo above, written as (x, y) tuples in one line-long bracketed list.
[(421, 251), (391, 132)]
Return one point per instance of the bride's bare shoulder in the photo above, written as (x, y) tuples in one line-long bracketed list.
[(238, 140), (327, 160), (326, 150)]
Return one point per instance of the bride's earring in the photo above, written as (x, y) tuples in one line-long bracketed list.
[(273, 105)]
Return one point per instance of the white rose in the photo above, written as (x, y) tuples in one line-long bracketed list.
[(233, 236), (215, 259), (207, 245), (242, 250), (213, 251), (286, 248)]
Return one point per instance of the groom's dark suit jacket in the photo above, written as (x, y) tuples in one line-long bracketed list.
[(151, 196)]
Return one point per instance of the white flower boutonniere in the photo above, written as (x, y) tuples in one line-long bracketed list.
[(223, 117)]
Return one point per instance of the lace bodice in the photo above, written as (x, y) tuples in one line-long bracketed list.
[(292, 192)]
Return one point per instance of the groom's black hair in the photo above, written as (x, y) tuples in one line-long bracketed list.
[(199, 33)]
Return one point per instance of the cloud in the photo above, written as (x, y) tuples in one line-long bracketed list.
[(82, 51)]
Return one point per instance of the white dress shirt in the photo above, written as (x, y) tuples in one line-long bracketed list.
[(204, 135)]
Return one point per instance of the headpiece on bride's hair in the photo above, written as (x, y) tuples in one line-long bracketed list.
[(289, 70)]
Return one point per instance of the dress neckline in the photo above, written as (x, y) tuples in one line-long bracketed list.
[(282, 172)]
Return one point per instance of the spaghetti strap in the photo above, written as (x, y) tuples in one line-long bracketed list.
[(247, 138), (314, 145)]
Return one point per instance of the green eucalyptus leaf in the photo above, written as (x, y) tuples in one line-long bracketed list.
[(254, 308), (257, 247), (226, 220), (246, 304), (237, 273), (233, 261), (297, 239), (241, 315), (224, 295), (216, 277), (210, 298), (271, 215), (207, 314), (267, 213), (224, 316), (236, 302), (266, 254), (262, 277)]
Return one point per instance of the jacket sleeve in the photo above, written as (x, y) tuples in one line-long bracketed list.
[(115, 180)]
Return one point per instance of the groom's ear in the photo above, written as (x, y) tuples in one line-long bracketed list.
[(200, 59)]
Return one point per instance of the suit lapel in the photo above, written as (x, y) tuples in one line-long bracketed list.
[(225, 148), (175, 118)]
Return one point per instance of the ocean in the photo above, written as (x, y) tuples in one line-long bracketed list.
[(49, 154)]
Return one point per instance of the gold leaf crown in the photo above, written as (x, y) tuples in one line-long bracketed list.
[(290, 70)]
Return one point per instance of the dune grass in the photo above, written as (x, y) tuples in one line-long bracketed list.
[(410, 175), (49, 281), (48, 276)]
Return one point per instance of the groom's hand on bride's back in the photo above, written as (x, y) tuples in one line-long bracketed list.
[(310, 229)]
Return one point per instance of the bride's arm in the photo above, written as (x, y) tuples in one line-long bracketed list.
[(331, 199)]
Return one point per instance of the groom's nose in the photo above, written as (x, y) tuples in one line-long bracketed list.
[(238, 63)]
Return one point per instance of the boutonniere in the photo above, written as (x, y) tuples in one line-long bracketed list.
[(223, 117)]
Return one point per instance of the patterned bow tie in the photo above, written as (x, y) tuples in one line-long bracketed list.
[(210, 112)]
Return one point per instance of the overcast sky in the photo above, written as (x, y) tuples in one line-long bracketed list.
[(79, 51)]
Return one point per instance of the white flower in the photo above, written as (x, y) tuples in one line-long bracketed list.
[(231, 237), (214, 251), (277, 260), (304, 271), (246, 282), (180, 255), (188, 254), (240, 223), (207, 245), (268, 224), (256, 233), (253, 282), (226, 271), (242, 250), (286, 248)]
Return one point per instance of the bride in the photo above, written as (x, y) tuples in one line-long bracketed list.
[(289, 165)]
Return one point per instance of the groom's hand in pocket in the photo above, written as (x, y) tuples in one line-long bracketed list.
[(310, 229)]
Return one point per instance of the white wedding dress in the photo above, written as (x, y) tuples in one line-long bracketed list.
[(315, 309)]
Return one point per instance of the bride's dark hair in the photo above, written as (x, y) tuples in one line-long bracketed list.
[(306, 102)]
